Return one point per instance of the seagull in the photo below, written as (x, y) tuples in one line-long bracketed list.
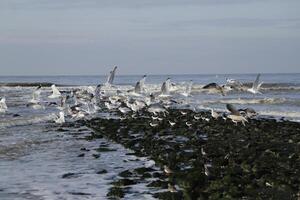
[(214, 87), (55, 92), (255, 86), (183, 113), (234, 83), (142, 82), (60, 119), (153, 124), (203, 152), (138, 88), (196, 117), (124, 110), (248, 112), (171, 188), (3, 106), (188, 89), (111, 77), (172, 123), (154, 117), (36, 95), (165, 88), (214, 114), (188, 124), (167, 170), (206, 170), (156, 108), (235, 115), (206, 119)]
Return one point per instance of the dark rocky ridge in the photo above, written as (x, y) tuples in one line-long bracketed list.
[(35, 84), (258, 161)]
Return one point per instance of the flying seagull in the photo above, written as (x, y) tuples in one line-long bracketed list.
[(255, 86), (165, 88), (111, 76), (214, 87)]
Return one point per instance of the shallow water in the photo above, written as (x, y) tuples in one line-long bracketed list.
[(36, 153)]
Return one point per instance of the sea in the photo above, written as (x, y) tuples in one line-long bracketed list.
[(43, 160)]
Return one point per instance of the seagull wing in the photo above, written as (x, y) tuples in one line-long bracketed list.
[(112, 75), (256, 82), (232, 109), (210, 85)]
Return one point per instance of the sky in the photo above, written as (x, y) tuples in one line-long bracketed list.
[(89, 37)]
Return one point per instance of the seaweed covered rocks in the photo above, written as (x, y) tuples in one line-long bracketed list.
[(214, 158)]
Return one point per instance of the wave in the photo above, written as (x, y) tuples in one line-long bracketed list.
[(291, 115), (27, 121), (254, 101)]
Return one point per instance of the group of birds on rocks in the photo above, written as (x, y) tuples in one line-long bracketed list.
[(79, 103)]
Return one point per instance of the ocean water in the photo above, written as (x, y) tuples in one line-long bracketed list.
[(35, 153)]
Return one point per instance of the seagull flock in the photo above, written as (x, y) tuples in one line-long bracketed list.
[(79, 103)]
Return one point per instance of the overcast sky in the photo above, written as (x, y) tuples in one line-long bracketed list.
[(88, 37)]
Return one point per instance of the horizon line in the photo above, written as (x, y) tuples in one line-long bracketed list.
[(164, 74)]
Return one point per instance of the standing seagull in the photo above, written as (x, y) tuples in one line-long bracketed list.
[(60, 119), (256, 86), (111, 77), (55, 92), (235, 115), (3, 106)]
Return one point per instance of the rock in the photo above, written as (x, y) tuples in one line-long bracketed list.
[(81, 155), (103, 171)]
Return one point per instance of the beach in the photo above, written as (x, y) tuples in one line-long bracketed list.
[(122, 151)]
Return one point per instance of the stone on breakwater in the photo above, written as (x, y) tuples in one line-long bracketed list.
[(260, 159)]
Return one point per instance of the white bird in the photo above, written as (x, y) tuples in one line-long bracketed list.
[(60, 119), (156, 108), (111, 77), (165, 88), (188, 89), (234, 83), (153, 124), (36, 95), (235, 115), (188, 124), (111, 106), (172, 123), (256, 86), (171, 188), (206, 169), (3, 106), (55, 92), (167, 170), (142, 82), (124, 110), (196, 117), (214, 114), (183, 113), (203, 152), (237, 118), (138, 88)]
